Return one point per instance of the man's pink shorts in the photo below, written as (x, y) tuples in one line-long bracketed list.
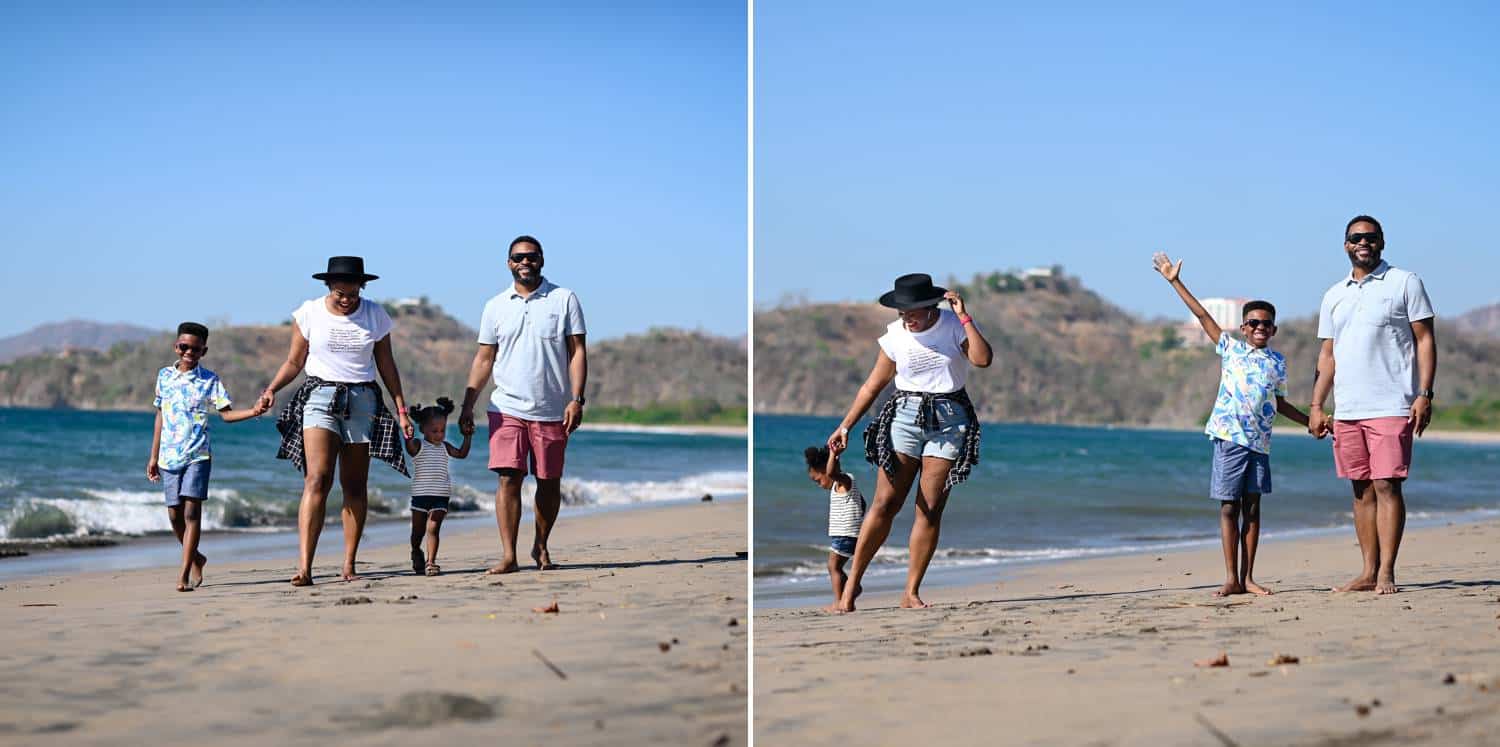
[(527, 445), (1372, 449)]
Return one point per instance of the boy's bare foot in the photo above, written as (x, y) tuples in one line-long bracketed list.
[(1386, 584), (1255, 588), (505, 566), (1358, 583), (302, 579), (197, 577), (913, 602), (1229, 588), (543, 560)]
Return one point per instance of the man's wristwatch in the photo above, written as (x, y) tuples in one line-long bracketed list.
[(579, 400), (1428, 393)]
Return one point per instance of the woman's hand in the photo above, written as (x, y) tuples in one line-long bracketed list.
[(267, 400), (839, 440), (406, 424), (957, 302)]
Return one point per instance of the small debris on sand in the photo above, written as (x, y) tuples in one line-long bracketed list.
[(980, 651), (550, 609), (1280, 659), (550, 665), (1362, 709), (664, 646), (356, 600), (418, 710), (1222, 660), (733, 622), (1449, 679)]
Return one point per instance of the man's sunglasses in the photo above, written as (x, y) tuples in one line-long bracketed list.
[(1356, 238), (532, 257), (1258, 323), (184, 347)]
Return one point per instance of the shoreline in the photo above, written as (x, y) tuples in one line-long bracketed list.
[(685, 429), (1122, 635)]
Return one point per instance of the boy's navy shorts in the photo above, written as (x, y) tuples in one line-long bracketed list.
[(1237, 471)]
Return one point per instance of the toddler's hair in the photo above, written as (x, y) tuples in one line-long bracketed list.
[(1258, 306), (420, 415), (193, 328), (817, 458)]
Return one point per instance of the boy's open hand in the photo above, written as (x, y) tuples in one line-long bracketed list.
[(153, 473), (1164, 266)]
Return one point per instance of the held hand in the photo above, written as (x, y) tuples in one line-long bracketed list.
[(838, 441), (572, 416), (267, 400), (406, 428), (153, 473), (1317, 423), (466, 421), (1164, 266), (1421, 414), (956, 302)]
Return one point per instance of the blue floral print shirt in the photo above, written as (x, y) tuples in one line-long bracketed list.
[(1250, 380), (184, 398)]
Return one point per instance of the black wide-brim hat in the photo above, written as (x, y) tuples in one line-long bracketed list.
[(346, 269), (914, 291)]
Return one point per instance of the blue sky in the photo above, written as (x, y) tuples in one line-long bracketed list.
[(182, 163), (968, 137)]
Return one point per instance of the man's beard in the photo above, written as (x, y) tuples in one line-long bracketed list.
[(1369, 264), (532, 283)]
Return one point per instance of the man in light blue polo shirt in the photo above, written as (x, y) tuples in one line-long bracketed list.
[(1379, 357), (531, 341)]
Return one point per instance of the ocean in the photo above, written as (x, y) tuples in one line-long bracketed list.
[(1045, 493), (66, 473)]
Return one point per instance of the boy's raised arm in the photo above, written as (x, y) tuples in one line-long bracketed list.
[(1172, 272)]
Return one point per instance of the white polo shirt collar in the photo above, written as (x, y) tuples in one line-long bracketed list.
[(1377, 274), (542, 289)]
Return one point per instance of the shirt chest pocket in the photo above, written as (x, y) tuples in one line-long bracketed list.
[(1373, 311), (549, 325)]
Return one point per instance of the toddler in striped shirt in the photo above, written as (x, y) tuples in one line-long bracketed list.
[(431, 486), (846, 510)]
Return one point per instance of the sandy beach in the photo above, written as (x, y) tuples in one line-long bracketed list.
[(649, 645), (1102, 651)]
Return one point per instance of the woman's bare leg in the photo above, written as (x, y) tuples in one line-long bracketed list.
[(321, 449), (926, 526), (354, 476), (889, 496)]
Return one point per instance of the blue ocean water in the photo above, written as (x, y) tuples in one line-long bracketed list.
[(68, 472), (1055, 492)]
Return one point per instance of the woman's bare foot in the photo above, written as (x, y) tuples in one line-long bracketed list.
[(1358, 583), (543, 560), (349, 573), (913, 602), (840, 607), (505, 566), (197, 577), (302, 579), (1229, 588), (1386, 584), (1255, 588), (183, 586)]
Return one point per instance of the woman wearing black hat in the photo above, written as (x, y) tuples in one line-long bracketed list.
[(927, 428), (338, 417)]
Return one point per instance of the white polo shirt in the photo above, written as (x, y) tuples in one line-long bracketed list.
[(1374, 351), (531, 360)]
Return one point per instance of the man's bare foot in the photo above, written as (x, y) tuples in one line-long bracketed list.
[(302, 579), (840, 607), (197, 577), (1386, 585), (1255, 588), (913, 602), (1358, 583), (505, 566), (543, 560), (1229, 588)]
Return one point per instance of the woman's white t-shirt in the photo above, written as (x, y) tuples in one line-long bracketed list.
[(342, 348), (931, 360)]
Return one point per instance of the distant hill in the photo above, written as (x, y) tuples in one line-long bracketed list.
[(1483, 321), (1063, 355), (433, 351), (72, 334)]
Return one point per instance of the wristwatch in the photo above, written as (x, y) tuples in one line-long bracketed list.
[(579, 400), (1428, 393)]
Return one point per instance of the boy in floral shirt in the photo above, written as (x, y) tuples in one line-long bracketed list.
[(180, 455), (1252, 389)]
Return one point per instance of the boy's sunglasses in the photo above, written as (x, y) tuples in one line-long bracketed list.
[(1258, 323), (532, 257), (183, 348), (1356, 238)]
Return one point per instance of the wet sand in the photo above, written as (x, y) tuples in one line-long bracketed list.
[(649, 645), (1102, 651)]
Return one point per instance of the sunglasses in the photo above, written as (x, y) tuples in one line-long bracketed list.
[(532, 257), (1258, 323), (183, 348), (1357, 238)]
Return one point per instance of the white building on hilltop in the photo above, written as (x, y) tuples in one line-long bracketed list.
[(1225, 311)]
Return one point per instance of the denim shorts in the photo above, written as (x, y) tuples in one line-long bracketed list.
[(354, 428), (189, 482), (842, 546), (944, 439), (1237, 471)]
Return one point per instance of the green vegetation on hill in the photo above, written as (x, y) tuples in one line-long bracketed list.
[(665, 372)]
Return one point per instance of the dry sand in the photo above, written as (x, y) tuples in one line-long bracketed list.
[(122, 658), (1102, 652)]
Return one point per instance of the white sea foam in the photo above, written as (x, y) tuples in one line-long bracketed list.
[(611, 493)]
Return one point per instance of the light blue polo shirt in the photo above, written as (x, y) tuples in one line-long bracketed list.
[(531, 360), (1374, 350)]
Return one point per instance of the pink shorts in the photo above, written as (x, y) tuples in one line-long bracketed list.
[(1372, 449), (527, 445)]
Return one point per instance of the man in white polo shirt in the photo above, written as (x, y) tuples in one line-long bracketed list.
[(531, 340), (1379, 357)]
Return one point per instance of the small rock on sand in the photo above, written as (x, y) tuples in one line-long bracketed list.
[(356, 600)]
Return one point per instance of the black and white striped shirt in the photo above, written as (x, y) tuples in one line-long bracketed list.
[(845, 510), (430, 470)]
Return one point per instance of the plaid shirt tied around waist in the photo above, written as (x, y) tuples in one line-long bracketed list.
[(878, 449), (385, 434)]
